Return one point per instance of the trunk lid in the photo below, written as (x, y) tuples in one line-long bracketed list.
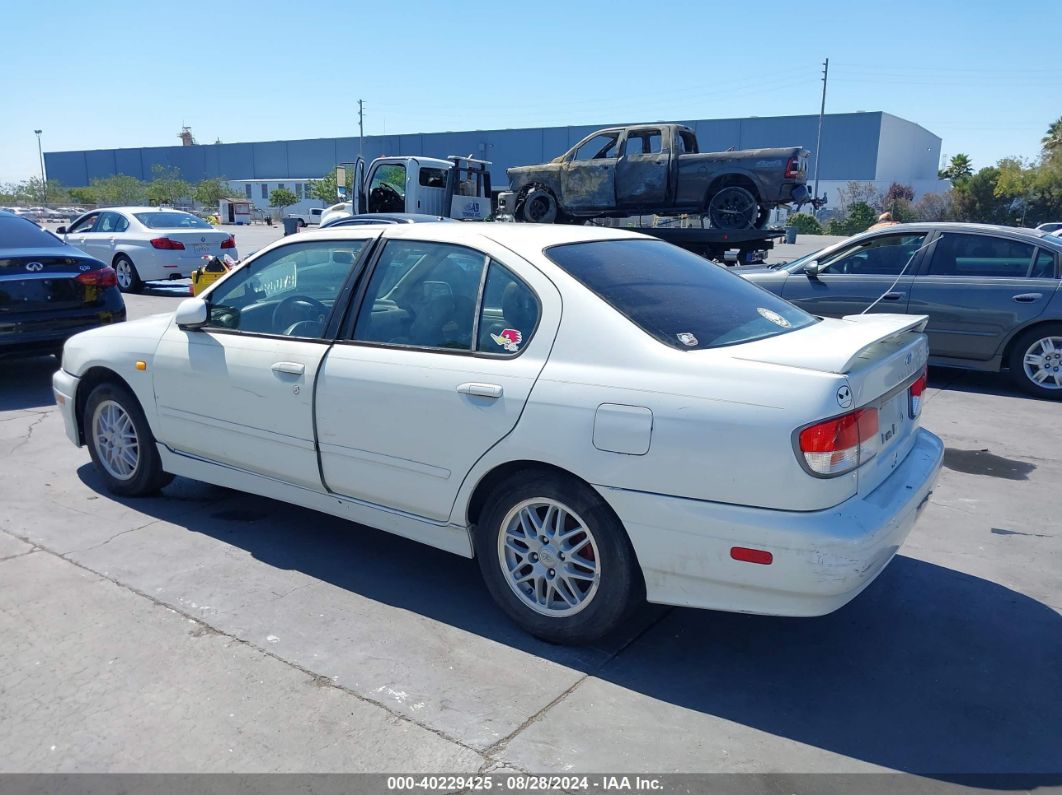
[(876, 358), (198, 243), (30, 282)]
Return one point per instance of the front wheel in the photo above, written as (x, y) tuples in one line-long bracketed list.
[(121, 444), (1036, 361), (300, 223), (539, 207), (733, 207), (127, 276), (556, 559)]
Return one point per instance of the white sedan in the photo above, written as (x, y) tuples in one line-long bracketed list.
[(597, 416), (145, 244)]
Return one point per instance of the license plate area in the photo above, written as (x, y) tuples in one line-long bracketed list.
[(201, 248), (892, 414)]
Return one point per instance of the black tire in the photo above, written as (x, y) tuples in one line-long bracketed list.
[(127, 272), (300, 223), (539, 207), (1044, 342), (145, 476), (733, 207), (619, 588), (762, 217)]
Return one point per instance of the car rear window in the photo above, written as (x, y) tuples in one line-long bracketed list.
[(17, 232), (679, 298), (163, 220)]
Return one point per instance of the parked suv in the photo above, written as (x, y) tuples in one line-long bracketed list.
[(991, 292)]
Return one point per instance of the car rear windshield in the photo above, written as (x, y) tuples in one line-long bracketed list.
[(17, 232), (677, 297), (163, 220)]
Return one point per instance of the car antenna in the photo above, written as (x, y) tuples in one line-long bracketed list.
[(899, 276)]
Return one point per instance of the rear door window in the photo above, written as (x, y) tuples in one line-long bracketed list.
[(678, 298), (508, 314)]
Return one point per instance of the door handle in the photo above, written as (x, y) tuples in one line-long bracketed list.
[(481, 390), (1027, 298), (893, 296), (291, 368)]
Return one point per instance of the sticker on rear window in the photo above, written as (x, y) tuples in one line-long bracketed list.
[(774, 317), (509, 339), (687, 339)]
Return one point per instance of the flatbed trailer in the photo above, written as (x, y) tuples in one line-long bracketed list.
[(732, 246)]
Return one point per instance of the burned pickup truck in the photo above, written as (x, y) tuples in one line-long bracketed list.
[(657, 169)]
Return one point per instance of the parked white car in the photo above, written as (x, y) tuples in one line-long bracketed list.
[(599, 417), (145, 244)]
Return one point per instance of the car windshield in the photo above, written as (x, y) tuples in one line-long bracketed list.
[(16, 232), (164, 220), (679, 298)]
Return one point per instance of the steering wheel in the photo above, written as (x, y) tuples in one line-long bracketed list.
[(296, 308), (386, 199)]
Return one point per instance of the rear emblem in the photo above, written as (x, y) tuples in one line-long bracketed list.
[(844, 397), (84, 267), (202, 240), (35, 266)]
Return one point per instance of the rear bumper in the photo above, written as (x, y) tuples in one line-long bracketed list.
[(64, 388), (27, 336), (822, 559)]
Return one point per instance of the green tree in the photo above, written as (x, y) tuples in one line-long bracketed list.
[(1033, 188), (209, 192), (83, 195), (1052, 142), (119, 190), (960, 168), (166, 186), (282, 198), (324, 189), (934, 207), (976, 200), (805, 224)]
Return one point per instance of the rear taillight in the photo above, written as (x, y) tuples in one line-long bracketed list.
[(104, 277), (792, 168), (230, 242), (917, 388), (167, 243), (839, 445)]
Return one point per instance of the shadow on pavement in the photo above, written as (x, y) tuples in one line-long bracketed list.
[(929, 671), (27, 383), (977, 382)]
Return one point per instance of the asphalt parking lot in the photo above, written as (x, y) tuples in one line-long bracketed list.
[(208, 631)]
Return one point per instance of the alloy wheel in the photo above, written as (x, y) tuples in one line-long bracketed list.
[(115, 439), (1043, 362), (549, 557)]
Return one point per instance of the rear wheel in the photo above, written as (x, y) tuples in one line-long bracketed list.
[(1036, 361), (540, 207), (121, 444), (556, 559), (300, 223), (733, 207), (128, 278)]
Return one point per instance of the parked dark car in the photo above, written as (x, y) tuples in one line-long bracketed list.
[(991, 292), (49, 291), (384, 218)]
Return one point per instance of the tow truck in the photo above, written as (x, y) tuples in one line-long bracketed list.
[(455, 187)]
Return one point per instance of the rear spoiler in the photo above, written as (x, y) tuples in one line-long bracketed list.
[(829, 346)]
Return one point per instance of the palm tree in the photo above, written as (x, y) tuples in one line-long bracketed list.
[(959, 167), (1052, 142)]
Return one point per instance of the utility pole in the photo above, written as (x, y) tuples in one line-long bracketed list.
[(361, 128), (44, 182), (818, 139)]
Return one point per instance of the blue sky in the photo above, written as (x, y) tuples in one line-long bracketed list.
[(984, 76)]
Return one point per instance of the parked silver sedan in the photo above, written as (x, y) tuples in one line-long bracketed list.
[(991, 292)]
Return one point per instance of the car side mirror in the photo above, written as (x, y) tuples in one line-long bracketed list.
[(61, 230), (192, 313), (813, 268)]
